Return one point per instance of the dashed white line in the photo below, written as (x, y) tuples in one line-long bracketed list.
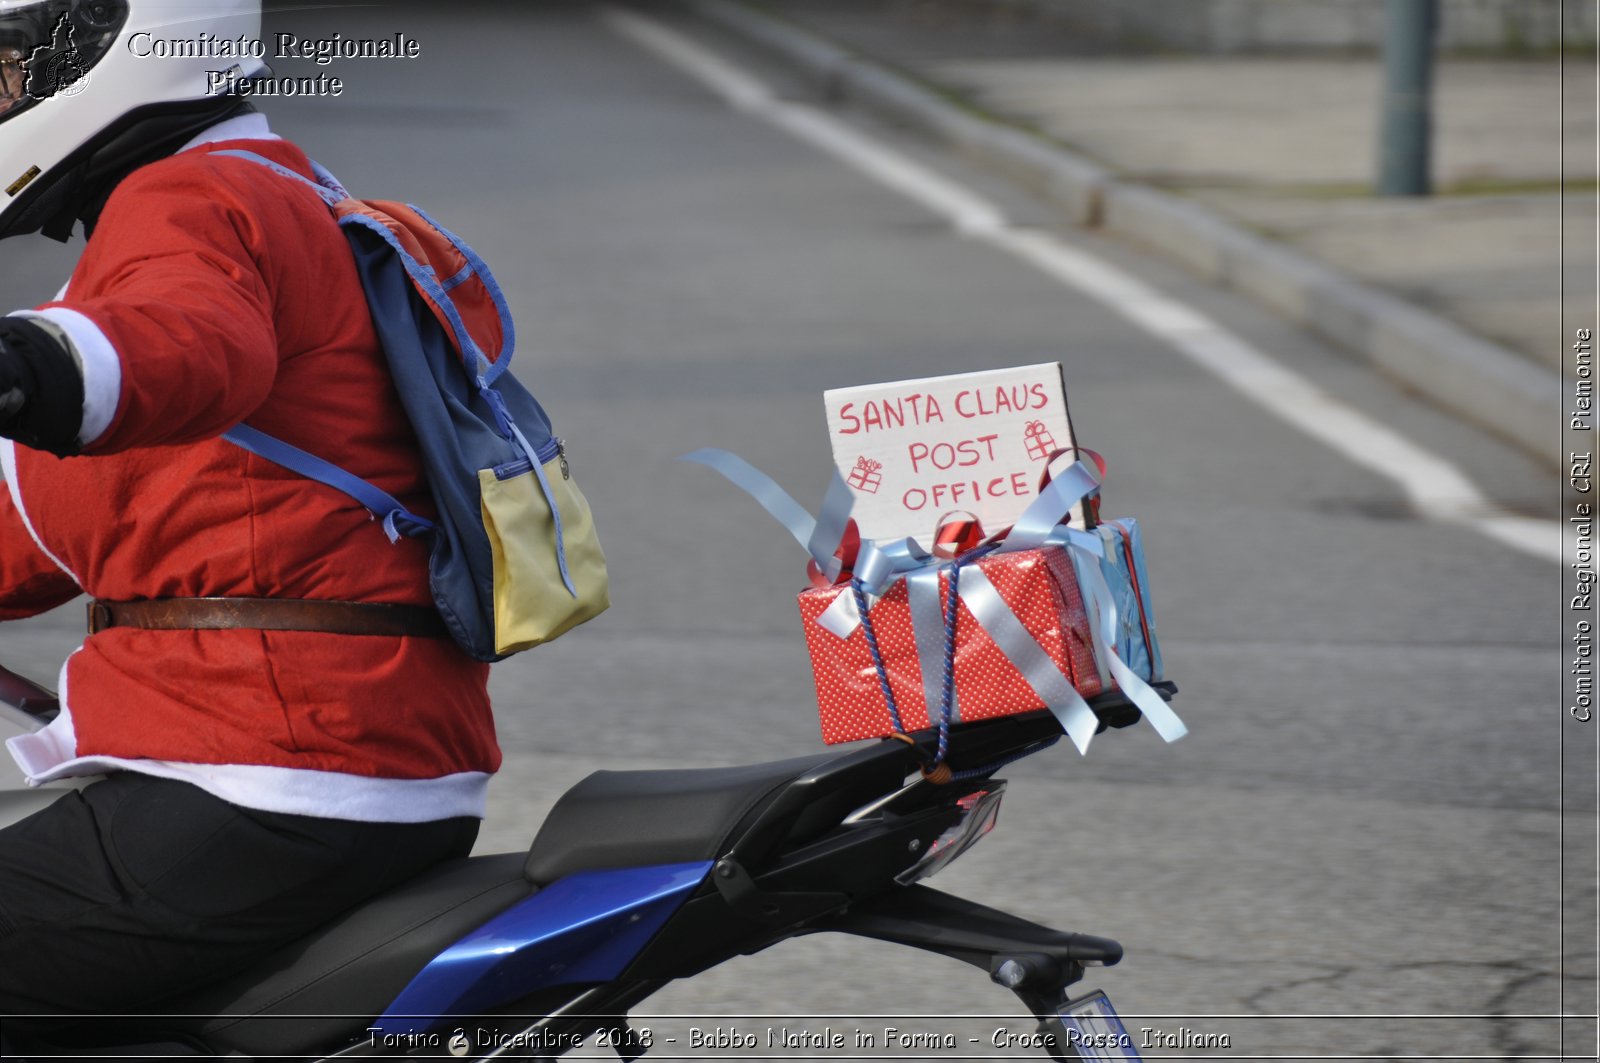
[(1436, 489)]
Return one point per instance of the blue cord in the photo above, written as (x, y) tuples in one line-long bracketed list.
[(947, 700), (973, 773), (877, 657)]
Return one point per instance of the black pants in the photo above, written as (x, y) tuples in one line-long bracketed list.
[(134, 889)]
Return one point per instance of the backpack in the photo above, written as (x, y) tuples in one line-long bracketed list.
[(513, 558)]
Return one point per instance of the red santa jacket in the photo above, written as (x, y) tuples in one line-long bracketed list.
[(214, 291)]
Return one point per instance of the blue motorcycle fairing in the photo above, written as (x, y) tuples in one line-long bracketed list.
[(586, 927)]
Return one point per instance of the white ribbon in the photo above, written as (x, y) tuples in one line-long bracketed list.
[(1029, 658), (1098, 596), (1053, 687), (928, 627), (879, 564), (842, 617)]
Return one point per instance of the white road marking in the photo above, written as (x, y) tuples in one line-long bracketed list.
[(1436, 489)]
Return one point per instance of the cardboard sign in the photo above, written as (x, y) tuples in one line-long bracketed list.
[(916, 450)]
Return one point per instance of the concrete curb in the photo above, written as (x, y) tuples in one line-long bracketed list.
[(1452, 367)]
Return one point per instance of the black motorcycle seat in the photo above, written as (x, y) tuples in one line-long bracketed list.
[(323, 988), (636, 818)]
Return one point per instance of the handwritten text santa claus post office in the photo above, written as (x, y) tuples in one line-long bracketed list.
[(917, 450)]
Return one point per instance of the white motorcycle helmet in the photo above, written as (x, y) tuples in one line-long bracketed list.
[(90, 89)]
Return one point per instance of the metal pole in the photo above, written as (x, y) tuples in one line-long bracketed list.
[(1407, 86)]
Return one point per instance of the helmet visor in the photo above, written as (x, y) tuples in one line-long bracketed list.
[(48, 46), (13, 78)]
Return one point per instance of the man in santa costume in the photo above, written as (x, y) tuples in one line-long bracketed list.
[(283, 727)]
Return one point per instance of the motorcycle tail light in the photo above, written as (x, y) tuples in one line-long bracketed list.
[(980, 810)]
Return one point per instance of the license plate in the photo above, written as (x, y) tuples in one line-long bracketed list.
[(1093, 1029)]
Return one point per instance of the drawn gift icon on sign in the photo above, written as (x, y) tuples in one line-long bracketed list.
[(1039, 441), (865, 476)]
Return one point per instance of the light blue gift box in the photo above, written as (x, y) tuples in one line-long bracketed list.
[(1128, 577)]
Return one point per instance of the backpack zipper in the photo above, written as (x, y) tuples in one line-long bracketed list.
[(551, 450)]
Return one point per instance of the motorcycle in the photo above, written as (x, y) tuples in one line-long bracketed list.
[(636, 879)]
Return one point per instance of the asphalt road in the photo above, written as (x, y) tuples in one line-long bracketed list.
[(1364, 828)]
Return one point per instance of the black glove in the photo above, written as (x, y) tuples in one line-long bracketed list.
[(41, 388)]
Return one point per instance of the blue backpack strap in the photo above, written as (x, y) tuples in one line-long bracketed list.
[(327, 179), (397, 520), (550, 500), (328, 188)]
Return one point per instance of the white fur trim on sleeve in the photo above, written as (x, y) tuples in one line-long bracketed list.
[(102, 367)]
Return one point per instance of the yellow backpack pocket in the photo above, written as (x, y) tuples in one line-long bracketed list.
[(534, 599)]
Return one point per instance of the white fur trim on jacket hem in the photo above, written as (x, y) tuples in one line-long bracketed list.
[(51, 753)]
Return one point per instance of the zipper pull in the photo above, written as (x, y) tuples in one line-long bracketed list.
[(561, 452)]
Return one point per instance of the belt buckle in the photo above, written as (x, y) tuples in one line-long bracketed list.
[(100, 617)]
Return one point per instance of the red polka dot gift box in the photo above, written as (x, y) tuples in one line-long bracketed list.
[(1039, 587), (1041, 615)]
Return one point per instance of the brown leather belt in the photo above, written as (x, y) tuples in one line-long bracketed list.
[(269, 614)]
